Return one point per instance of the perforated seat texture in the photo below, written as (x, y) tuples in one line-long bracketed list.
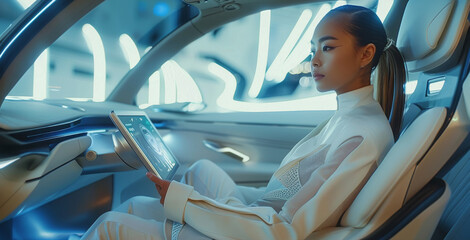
[(456, 216)]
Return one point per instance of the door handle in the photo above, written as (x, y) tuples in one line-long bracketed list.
[(226, 150)]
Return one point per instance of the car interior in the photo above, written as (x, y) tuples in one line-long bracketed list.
[(63, 163)]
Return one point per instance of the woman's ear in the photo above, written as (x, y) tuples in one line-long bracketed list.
[(367, 54)]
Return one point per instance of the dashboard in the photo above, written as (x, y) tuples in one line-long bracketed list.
[(50, 146)]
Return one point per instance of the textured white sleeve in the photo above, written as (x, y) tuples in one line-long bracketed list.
[(335, 193), (312, 179), (175, 201), (223, 220)]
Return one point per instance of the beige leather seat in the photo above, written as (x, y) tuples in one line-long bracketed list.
[(401, 199)]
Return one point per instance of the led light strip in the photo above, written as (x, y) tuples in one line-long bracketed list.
[(262, 60), (95, 44)]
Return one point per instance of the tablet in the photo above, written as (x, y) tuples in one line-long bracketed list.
[(144, 139)]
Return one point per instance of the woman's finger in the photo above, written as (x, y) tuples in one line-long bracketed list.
[(153, 178), (160, 184)]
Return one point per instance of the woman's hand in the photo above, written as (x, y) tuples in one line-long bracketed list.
[(161, 185)]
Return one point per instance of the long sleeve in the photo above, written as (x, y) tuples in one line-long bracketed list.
[(224, 221), (329, 188)]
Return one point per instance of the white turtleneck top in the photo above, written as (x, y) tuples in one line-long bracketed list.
[(314, 185)]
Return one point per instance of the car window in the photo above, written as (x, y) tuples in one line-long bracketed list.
[(257, 63), (90, 58)]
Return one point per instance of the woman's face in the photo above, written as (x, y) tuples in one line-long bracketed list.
[(337, 62)]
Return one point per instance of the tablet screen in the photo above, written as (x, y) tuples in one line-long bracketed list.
[(149, 141)]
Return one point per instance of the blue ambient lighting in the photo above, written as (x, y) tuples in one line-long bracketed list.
[(161, 9)]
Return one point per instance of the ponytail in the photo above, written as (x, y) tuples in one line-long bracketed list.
[(391, 77)]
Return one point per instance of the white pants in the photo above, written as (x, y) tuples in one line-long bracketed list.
[(143, 217)]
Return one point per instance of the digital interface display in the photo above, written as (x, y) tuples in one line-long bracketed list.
[(146, 136)]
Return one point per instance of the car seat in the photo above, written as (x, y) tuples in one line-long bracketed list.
[(403, 199)]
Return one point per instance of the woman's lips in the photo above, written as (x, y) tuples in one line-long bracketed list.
[(318, 77)]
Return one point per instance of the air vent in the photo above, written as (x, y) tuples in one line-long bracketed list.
[(435, 86)]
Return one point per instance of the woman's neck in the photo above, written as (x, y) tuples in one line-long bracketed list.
[(362, 80)]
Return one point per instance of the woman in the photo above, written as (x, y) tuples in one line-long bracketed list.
[(319, 178)]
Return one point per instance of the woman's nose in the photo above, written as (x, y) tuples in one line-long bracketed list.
[(315, 62)]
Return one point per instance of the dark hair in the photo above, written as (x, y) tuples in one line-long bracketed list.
[(367, 28)]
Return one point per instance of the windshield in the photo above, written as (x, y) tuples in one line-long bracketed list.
[(90, 58)]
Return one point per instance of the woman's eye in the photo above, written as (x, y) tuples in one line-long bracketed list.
[(326, 48)]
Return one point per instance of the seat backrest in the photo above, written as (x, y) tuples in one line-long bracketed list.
[(446, 62), (398, 162), (430, 39)]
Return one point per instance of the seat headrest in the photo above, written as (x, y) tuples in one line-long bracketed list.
[(430, 32), (404, 154)]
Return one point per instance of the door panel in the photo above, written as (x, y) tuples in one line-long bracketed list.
[(262, 145)]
